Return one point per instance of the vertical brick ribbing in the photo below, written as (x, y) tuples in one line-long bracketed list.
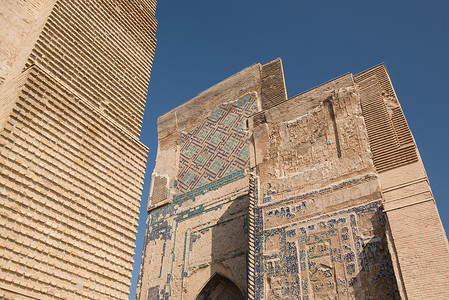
[(272, 84), (251, 237), (389, 136)]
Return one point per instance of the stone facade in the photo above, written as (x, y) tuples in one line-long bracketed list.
[(73, 77), (320, 196)]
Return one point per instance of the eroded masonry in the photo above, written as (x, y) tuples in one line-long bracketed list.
[(320, 196), (73, 82)]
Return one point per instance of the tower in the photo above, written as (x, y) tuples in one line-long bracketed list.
[(319, 196), (74, 76)]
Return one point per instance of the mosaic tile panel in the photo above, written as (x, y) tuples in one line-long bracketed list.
[(162, 227), (338, 256), (218, 147)]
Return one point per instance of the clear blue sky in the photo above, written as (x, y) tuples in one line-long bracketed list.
[(202, 42)]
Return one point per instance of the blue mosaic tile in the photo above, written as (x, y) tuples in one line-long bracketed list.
[(333, 237), (217, 147)]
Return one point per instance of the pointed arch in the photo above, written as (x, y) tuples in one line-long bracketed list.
[(220, 288)]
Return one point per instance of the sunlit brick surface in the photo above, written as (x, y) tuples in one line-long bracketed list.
[(103, 51), (72, 166)]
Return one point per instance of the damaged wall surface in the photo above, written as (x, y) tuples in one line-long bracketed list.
[(319, 196)]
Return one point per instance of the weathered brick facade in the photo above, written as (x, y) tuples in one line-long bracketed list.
[(320, 196), (73, 86)]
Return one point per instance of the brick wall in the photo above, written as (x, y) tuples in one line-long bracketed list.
[(72, 165)]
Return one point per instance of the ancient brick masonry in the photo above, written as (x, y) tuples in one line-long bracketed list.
[(73, 90), (320, 196)]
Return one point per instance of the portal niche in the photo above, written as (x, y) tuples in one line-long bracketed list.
[(220, 288)]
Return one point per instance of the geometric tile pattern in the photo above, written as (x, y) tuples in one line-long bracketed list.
[(216, 148)]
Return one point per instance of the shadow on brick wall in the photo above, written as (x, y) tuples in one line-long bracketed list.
[(376, 278), (229, 250)]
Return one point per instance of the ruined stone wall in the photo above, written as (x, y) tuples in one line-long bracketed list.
[(72, 172), (318, 212), (332, 201), (417, 234), (311, 140), (198, 206)]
